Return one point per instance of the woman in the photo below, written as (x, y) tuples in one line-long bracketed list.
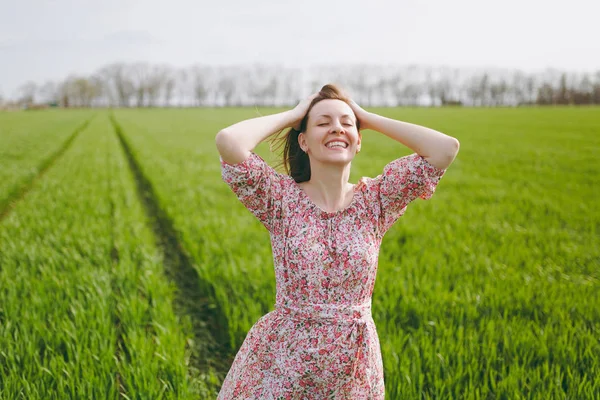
[(320, 342)]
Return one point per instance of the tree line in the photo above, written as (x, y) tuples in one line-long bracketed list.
[(147, 85)]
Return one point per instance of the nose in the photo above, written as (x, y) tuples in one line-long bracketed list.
[(336, 127)]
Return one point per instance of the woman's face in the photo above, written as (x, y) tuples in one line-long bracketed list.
[(331, 134)]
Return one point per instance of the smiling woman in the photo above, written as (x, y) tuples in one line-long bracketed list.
[(321, 341), (330, 112)]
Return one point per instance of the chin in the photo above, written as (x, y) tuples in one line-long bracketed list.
[(341, 159)]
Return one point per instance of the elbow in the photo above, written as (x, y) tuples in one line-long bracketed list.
[(222, 140), (230, 150), (445, 154), (449, 148), (220, 135), (451, 152), (454, 147)]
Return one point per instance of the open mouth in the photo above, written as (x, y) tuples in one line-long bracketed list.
[(336, 144)]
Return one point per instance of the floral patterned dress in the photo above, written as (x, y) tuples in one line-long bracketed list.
[(320, 341)]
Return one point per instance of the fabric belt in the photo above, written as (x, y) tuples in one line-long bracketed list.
[(323, 311)]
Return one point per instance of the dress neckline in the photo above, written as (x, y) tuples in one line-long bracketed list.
[(323, 212)]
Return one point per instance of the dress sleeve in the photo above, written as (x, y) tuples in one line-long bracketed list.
[(256, 185), (402, 181)]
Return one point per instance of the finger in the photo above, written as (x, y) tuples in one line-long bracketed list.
[(313, 96)]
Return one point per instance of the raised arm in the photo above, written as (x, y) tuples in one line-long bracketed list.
[(437, 148), (237, 141)]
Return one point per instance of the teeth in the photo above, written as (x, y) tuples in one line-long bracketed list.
[(336, 144)]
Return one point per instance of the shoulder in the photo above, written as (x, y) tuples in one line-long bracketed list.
[(252, 161), (414, 164), (252, 169), (368, 186)]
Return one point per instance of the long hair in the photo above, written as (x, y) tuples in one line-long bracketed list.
[(295, 161)]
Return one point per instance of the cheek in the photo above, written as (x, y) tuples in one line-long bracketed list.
[(315, 138)]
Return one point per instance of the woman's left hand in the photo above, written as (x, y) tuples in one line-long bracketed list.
[(361, 115)]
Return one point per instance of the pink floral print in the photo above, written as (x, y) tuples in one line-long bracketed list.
[(320, 341)]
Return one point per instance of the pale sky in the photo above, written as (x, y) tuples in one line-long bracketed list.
[(50, 39)]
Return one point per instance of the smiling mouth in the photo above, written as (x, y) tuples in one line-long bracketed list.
[(336, 145)]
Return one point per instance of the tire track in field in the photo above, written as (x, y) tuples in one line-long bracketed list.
[(195, 296), (122, 353), (20, 190)]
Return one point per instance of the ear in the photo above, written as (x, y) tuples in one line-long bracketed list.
[(359, 141), (302, 141)]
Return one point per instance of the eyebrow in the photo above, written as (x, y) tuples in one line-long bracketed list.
[(329, 116)]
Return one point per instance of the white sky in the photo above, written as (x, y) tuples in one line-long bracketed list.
[(49, 39)]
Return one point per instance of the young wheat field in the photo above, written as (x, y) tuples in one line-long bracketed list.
[(128, 268)]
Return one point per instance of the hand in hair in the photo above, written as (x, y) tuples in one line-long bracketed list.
[(301, 109), (361, 114)]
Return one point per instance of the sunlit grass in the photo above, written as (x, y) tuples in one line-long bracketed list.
[(488, 290)]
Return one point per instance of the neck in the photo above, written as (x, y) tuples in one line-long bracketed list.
[(329, 186)]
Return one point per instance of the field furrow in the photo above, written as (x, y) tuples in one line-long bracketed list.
[(85, 311), (193, 296), (130, 270), (29, 146), (490, 288)]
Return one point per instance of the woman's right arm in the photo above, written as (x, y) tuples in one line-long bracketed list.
[(237, 141)]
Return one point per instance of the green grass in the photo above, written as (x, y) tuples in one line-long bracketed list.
[(29, 143), (85, 311), (488, 290)]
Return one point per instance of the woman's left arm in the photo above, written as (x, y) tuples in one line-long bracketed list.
[(437, 148)]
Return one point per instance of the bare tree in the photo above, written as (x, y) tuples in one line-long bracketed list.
[(443, 89), (140, 76), (183, 78), (395, 86), (153, 85), (97, 90), (265, 93), (49, 93), (412, 92), (226, 88), (483, 89), (201, 82), (169, 85), (530, 89), (518, 87), (473, 90), (79, 91), (118, 84), (545, 94), (432, 90), (584, 92), (596, 89), (27, 93), (64, 94), (498, 92), (358, 85), (155, 82), (562, 95)]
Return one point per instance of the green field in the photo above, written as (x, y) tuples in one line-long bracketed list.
[(128, 269)]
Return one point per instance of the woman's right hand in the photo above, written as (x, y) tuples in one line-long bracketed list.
[(301, 109)]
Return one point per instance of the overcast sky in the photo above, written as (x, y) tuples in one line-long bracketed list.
[(49, 39)]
